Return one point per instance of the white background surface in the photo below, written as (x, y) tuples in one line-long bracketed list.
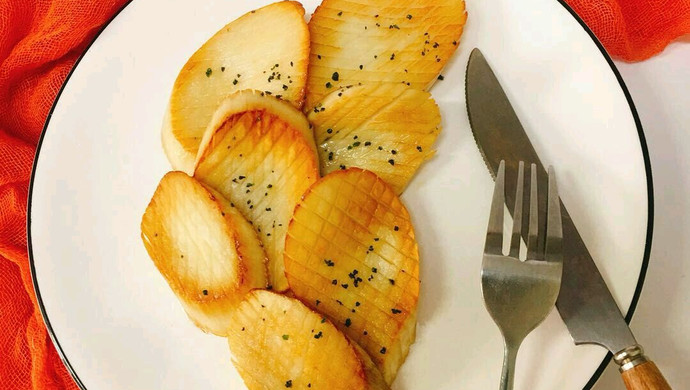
[(660, 88)]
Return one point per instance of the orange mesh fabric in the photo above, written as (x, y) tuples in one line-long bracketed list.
[(634, 30), (39, 42)]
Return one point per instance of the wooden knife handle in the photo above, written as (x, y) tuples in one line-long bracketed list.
[(645, 376), (638, 372)]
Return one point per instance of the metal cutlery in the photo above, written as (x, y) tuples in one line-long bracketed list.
[(520, 294), (585, 302)]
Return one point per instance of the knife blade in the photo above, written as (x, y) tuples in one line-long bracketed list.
[(585, 302)]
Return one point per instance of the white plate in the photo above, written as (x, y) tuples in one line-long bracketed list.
[(119, 326)]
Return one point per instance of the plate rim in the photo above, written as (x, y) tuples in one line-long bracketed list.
[(638, 124)]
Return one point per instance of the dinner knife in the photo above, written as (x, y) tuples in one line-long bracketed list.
[(585, 302)]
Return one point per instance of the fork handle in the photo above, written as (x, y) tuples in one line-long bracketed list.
[(508, 373), (638, 372)]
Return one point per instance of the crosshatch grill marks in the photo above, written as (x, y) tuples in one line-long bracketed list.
[(259, 156), (360, 127), (351, 254), (397, 43)]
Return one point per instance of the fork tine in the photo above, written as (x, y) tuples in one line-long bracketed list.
[(554, 225), (517, 213), (532, 236), (494, 233)]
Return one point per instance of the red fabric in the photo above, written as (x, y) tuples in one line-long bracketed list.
[(634, 30), (39, 42)]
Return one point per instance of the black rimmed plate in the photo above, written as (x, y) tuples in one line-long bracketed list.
[(117, 324)]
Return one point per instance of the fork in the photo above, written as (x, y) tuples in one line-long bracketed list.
[(520, 294)]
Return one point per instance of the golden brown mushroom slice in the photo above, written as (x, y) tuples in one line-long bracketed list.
[(204, 248), (277, 342), (248, 53), (351, 254), (389, 129), (259, 153), (381, 41)]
